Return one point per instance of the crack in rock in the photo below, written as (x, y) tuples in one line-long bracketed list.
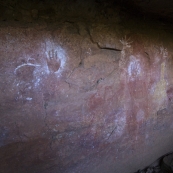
[(98, 45)]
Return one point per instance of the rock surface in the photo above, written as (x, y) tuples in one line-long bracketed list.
[(84, 91)]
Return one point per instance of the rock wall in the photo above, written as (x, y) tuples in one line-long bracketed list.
[(86, 91)]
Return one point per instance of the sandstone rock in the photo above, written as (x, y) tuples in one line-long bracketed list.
[(79, 94)]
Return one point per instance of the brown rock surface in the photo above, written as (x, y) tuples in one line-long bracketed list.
[(90, 94)]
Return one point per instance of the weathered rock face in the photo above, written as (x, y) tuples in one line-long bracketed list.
[(82, 95)]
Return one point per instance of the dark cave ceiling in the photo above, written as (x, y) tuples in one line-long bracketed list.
[(162, 9)]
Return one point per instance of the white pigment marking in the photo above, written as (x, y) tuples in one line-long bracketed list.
[(52, 50), (118, 126), (120, 123), (29, 98), (37, 82), (26, 64), (57, 53), (134, 68)]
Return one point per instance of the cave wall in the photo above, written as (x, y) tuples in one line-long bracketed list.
[(86, 90)]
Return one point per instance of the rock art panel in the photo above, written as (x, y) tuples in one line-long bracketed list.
[(80, 105)]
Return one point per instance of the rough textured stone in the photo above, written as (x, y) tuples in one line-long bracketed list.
[(83, 91)]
